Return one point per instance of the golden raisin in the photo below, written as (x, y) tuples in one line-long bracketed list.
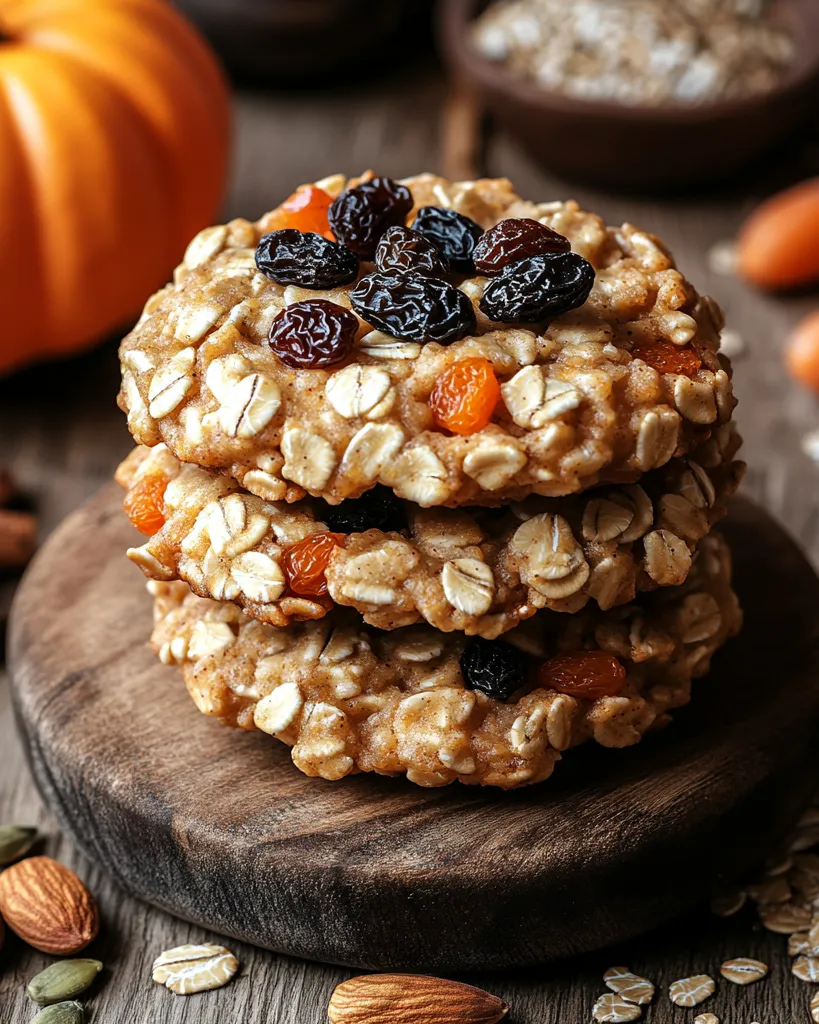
[(145, 504), (305, 210), (465, 396), (589, 674), (306, 562), (666, 357)]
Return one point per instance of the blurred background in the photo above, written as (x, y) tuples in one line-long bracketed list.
[(120, 138)]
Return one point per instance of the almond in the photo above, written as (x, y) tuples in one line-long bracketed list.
[(48, 906), (412, 999)]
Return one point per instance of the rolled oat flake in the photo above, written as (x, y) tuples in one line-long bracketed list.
[(188, 969), (771, 891), (814, 1007), (61, 1013), (799, 943), (691, 991), (631, 987), (743, 970), (806, 968), (612, 1008), (786, 918), (706, 1018), (726, 904)]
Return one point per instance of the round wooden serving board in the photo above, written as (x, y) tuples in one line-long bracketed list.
[(218, 827)]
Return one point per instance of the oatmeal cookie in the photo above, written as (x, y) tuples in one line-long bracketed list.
[(600, 393), (440, 707), (479, 570)]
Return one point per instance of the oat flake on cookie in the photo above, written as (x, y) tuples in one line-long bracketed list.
[(601, 393)]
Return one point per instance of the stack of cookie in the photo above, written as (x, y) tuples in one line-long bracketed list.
[(429, 473)]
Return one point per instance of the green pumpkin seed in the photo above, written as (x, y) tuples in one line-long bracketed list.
[(61, 1013), (62, 980), (15, 842)]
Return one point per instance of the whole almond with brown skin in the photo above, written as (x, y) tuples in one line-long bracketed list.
[(48, 906), (412, 999)]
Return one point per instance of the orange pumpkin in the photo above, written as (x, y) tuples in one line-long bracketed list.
[(114, 130)]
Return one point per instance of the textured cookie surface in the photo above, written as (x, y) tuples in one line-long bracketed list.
[(478, 570), (350, 698), (600, 394)]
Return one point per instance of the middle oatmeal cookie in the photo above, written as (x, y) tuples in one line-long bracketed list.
[(477, 570), (441, 707), (548, 355)]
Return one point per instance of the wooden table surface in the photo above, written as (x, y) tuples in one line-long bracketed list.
[(62, 435)]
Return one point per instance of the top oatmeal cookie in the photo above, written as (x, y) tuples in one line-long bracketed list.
[(600, 389)]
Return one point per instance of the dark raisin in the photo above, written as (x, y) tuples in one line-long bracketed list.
[(418, 308), (312, 334), (495, 668), (513, 240), (377, 509), (306, 259), (538, 289), (403, 249), (361, 215), (451, 233)]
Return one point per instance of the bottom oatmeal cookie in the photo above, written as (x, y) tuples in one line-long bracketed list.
[(440, 706)]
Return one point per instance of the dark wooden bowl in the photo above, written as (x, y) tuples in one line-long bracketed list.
[(648, 148), (303, 42)]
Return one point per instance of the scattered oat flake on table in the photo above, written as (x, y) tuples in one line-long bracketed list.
[(613, 1008), (786, 919), (691, 991), (805, 839), (779, 865), (806, 968), (814, 1007), (722, 258), (809, 819), (731, 343), (798, 943), (807, 828), (631, 987), (726, 904), (810, 445), (771, 891), (805, 866), (804, 876), (189, 969), (706, 1018), (743, 970)]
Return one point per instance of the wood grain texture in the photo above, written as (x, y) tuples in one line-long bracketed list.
[(378, 873), (62, 435)]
